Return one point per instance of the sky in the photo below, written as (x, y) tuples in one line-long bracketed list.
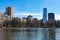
[(23, 8)]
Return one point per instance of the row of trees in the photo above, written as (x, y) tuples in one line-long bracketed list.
[(51, 24), (16, 22)]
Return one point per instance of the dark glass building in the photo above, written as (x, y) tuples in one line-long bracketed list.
[(51, 16), (44, 14)]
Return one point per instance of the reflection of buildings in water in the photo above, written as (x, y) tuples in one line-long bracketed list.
[(52, 34), (32, 35), (57, 33), (1, 34), (45, 33), (8, 34), (48, 34), (29, 35)]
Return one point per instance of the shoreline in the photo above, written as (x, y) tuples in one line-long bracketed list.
[(24, 28)]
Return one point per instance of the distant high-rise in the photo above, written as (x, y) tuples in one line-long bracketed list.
[(1, 19), (29, 18), (51, 16), (44, 14), (0, 14), (9, 11)]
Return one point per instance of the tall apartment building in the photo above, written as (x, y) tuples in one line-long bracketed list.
[(10, 11)]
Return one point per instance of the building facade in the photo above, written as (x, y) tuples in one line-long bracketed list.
[(51, 16), (29, 18), (1, 18), (9, 11), (24, 19), (44, 14)]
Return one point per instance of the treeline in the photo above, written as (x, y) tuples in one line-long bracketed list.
[(16, 22)]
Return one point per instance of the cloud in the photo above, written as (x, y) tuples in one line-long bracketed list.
[(27, 13), (35, 15)]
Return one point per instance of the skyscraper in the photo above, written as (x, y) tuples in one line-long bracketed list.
[(9, 11), (44, 14), (51, 16)]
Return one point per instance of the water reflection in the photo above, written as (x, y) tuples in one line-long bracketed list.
[(52, 34), (28, 35), (32, 34)]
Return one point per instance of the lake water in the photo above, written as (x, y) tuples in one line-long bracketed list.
[(30, 34)]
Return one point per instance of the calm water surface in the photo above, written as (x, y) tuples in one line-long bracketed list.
[(32, 34)]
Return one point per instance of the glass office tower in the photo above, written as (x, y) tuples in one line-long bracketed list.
[(44, 14), (51, 16)]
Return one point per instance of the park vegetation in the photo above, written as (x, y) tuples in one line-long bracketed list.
[(16, 22)]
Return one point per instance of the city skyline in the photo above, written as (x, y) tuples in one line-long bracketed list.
[(23, 8)]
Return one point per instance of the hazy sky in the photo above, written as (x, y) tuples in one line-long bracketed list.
[(22, 8)]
